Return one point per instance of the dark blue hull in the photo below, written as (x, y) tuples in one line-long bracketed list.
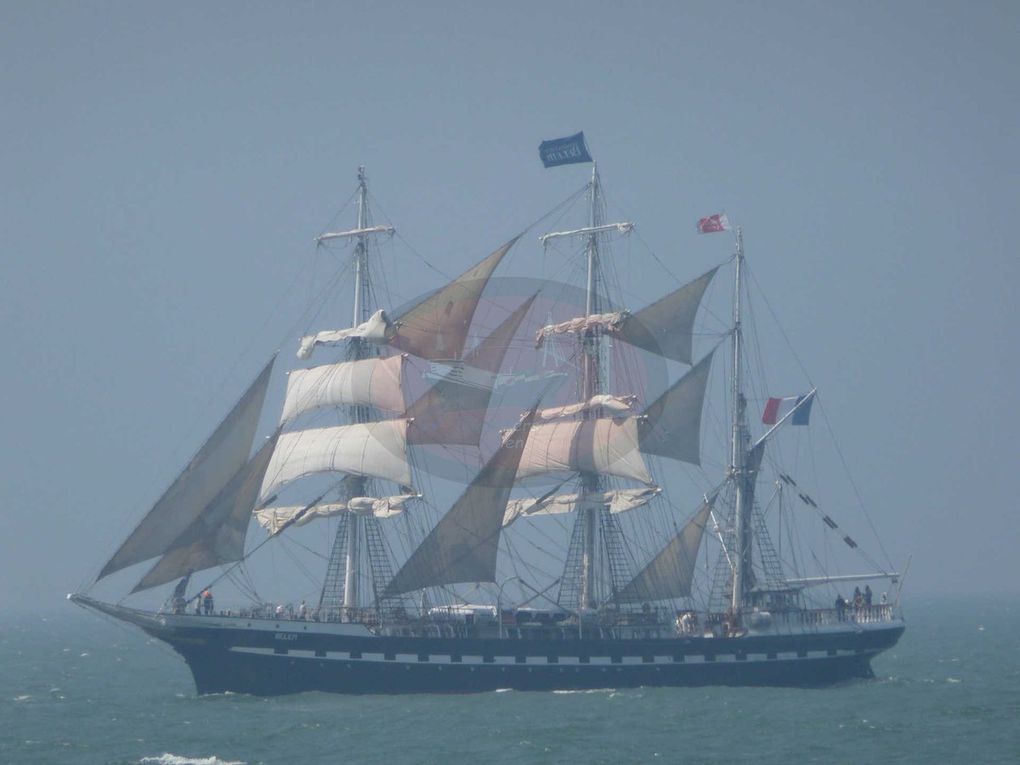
[(264, 663)]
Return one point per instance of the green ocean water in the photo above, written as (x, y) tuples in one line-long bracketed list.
[(76, 688)]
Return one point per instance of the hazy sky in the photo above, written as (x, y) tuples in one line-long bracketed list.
[(165, 168)]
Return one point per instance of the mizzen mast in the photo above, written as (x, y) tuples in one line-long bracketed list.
[(742, 576)]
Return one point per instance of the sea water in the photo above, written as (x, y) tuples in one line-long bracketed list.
[(77, 688)]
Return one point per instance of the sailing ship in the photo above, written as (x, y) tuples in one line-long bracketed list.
[(587, 464)]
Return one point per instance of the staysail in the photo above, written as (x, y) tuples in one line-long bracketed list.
[(671, 426), (207, 474), (462, 547), (437, 327), (670, 573), (217, 535), (453, 411), (666, 326)]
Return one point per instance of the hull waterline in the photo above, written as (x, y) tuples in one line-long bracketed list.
[(269, 658)]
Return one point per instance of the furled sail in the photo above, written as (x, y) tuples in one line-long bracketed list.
[(437, 327), (378, 330), (666, 326), (217, 535), (274, 519), (209, 472), (463, 545), (749, 479), (606, 322), (612, 405), (670, 573), (373, 449), (618, 501), (453, 411), (671, 426), (370, 382), (603, 445)]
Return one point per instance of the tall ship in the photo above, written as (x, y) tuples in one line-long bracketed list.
[(501, 484)]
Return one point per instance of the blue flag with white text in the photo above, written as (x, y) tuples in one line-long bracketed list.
[(564, 151)]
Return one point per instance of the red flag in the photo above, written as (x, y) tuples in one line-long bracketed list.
[(714, 223)]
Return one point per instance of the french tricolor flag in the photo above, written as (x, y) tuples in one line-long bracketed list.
[(777, 408)]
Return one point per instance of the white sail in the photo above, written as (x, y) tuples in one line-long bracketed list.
[(378, 330), (273, 519), (371, 382), (606, 446), (374, 449), (619, 501)]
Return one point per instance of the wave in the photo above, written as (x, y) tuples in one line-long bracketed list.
[(178, 759)]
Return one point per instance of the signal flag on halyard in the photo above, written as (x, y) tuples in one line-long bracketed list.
[(714, 223), (564, 151), (777, 408)]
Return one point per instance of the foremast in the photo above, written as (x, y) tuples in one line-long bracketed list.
[(359, 414), (349, 533)]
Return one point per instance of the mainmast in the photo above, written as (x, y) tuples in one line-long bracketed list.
[(592, 386), (586, 533), (738, 449)]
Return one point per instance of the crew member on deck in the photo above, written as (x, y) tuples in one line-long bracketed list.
[(207, 602)]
